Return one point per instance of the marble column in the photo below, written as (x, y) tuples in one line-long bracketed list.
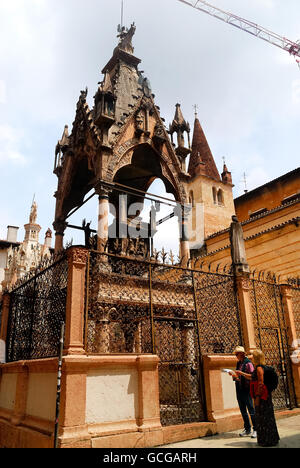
[(123, 221), (183, 219), (103, 193)]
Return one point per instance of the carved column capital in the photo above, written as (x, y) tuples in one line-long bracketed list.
[(60, 226), (77, 256), (286, 291), (244, 282), (103, 191)]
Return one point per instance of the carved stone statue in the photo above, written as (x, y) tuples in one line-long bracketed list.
[(140, 121), (238, 251), (126, 39)]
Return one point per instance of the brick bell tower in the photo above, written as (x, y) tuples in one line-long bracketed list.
[(210, 193)]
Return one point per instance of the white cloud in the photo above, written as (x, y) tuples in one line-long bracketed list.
[(2, 92), (10, 140), (296, 92)]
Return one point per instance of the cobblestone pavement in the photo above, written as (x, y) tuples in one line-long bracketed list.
[(288, 428)]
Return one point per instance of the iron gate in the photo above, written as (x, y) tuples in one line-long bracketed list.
[(271, 338), (179, 371), (145, 306)]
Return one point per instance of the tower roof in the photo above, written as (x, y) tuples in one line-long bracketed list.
[(201, 154), (179, 121)]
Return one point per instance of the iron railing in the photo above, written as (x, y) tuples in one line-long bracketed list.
[(296, 309), (272, 338), (1, 306), (37, 310), (126, 295), (149, 306)]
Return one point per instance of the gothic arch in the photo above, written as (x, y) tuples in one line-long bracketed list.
[(126, 156)]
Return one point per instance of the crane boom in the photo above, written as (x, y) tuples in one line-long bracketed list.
[(248, 26)]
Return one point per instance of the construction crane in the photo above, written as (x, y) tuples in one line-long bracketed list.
[(293, 48)]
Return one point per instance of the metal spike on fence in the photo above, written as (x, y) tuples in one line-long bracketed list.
[(279, 278), (172, 258), (164, 255)]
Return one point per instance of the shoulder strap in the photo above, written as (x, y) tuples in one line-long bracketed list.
[(246, 361)]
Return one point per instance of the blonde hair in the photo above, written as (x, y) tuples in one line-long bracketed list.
[(258, 357)]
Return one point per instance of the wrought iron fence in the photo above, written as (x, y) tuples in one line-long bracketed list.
[(1, 303), (176, 341), (296, 309), (118, 318), (218, 312), (151, 306), (271, 337), (127, 297), (37, 310)]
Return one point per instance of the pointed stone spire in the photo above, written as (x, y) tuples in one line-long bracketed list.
[(179, 122), (60, 149), (33, 213), (226, 175), (65, 137), (179, 126), (32, 229), (201, 160)]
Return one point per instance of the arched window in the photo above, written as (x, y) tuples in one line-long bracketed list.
[(220, 197), (191, 199), (214, 191)]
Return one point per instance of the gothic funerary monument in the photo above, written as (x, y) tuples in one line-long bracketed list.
[(146, 336)]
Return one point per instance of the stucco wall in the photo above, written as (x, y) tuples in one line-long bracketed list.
[(228, 390), (41, 396), (8, 387), (112, 396)]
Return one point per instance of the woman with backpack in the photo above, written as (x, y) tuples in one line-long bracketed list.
[(267, 433)]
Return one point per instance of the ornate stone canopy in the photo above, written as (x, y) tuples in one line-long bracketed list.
[(122, 138)]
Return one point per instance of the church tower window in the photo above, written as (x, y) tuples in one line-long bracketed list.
[(220, 197), (214, 192)]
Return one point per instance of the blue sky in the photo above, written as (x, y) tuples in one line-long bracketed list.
[(247, 91)]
